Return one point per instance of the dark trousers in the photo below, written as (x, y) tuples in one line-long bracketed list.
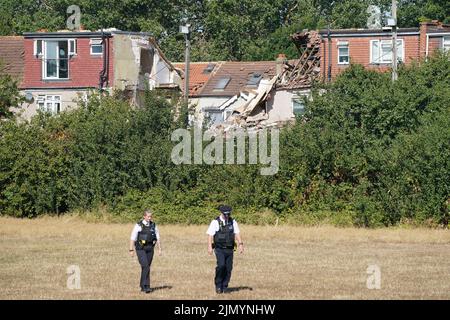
[(145, 258), (224, 266)]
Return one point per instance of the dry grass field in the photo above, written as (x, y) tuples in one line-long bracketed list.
[(279, 263)]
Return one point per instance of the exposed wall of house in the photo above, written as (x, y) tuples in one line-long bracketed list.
[(205, 102), (84, 68), (162, 74), (126, 61), (359, 51), (280, 105)]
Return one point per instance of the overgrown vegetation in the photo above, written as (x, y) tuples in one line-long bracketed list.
[(367, 153), (9, 94)]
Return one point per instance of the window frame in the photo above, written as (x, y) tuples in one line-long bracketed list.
[(343, 45), (44, 60), (446, 43), (35, 48), (53, 100), (382, 42), (92, 44), (74, 52), (299, 97), (221, 80)]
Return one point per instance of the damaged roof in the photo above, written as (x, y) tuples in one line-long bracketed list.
[(199, 74), (231, 77), (12, 56)]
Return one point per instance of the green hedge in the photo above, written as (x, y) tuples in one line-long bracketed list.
[(368, 152)]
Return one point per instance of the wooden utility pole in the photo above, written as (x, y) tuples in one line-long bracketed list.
[(394, 41)]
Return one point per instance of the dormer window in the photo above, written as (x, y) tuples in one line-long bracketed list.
[(56, 59), (55, 56), (96, 46)]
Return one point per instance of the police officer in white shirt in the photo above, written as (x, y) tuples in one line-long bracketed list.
[(144, 237), (222, 234)]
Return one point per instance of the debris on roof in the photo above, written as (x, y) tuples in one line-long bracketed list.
[(302, 72)]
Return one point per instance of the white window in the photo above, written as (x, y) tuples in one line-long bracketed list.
[(96, 46), (72, 47), (56, 60), (49, 103), (37, 50), (381, 51), (446, 43), (343, 52), (41, 102)]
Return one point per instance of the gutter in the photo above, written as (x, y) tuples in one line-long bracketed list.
[(104, 72)]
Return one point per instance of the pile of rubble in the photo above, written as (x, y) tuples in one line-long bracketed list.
[(295, 74), (302, 72)]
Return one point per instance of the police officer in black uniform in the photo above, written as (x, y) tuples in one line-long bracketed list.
[(222, 234), (144, 237)]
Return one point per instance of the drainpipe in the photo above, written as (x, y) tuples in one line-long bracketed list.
[(104, 71), (329, 53)]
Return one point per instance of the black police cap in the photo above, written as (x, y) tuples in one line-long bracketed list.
[(225, 209)]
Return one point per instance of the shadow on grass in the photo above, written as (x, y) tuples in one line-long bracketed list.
[(161, 288), (235, 289)]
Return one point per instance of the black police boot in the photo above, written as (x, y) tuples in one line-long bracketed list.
[(148, 290)]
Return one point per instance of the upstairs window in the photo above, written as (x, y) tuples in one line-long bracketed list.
[(381, 51), (222, 83), (446, 44), (72, 47), (343, 53), (96, 46), (254, 79), (209, 68), (38, 50), (56, 60)]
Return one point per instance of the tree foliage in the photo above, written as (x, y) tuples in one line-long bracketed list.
[(221, 30), (367, 152)]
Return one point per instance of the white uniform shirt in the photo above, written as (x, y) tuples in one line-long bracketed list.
[(214, 226), (137, 228)]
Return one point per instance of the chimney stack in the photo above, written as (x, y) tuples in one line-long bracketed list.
[(281, 60)]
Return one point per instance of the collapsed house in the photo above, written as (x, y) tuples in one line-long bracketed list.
[(255, 93), (273, 93)]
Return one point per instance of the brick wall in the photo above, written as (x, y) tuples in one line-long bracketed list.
[(84, 68), (434, 43), (359, 51)]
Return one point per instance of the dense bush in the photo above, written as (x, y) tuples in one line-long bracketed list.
[(368, 152)]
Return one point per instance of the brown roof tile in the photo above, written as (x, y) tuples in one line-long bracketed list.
[(239, 74), (12, 56), (197, 75)]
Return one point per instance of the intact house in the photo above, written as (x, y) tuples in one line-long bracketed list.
[(59, 68), (372, 48)]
